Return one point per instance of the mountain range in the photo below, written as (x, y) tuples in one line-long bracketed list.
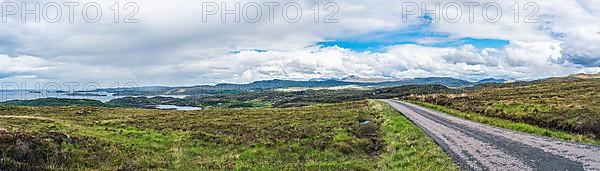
[(268, 85)]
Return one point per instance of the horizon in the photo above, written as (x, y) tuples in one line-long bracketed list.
[(76, 85)]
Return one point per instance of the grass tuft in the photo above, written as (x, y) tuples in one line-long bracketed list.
[(507, 124)]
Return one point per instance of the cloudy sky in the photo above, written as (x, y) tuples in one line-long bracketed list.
[(172, 45)]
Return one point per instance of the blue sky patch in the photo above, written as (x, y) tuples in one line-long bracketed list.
[(478, 43), (377, 41), (257, 50)]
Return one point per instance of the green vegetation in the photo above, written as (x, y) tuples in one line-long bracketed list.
[(145, 102), (307, 130), (309, 97), (568, 104), (408, 147), (263, 99), (363, 135), (227, 103), (53, 102), (270, 85), (523, 127)]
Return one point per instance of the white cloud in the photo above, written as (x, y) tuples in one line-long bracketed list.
[(536, 54), (172, 46), (21, 65), (401, 61)]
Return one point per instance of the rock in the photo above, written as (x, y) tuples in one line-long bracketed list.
[(60, 137), (83, 112), (23, 146)]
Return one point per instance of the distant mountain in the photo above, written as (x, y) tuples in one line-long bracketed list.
[(492, 80), (268, 85), (324, 79), (277, 84), (136, 91), (447, 81), (357, 79), (254, 86)]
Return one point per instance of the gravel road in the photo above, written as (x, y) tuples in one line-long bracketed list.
[(476, 146)]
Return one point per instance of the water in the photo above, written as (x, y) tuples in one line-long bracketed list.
[(173, 96), (100, 96), (173, 107), (31, 95)]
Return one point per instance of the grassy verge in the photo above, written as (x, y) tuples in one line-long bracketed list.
[(363, 135), (507, 124), (408, 147)]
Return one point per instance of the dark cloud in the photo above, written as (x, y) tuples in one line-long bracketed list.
[(587, 61), (4, 75)]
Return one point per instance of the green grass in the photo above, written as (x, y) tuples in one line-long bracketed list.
[(408, 147), (507, 124), (54, 102), (319, 137), (521, 109), (563, 104), (238, 104)]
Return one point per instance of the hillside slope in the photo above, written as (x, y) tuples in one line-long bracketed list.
[(569, 103)]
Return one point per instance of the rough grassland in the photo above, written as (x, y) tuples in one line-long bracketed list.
[(562, 104), (508, 124), (364, 135)]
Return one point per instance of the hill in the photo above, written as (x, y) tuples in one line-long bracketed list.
[(145, 102), (54, 102), (269, 85), (586, 76), (563, 103), (308, 97), (248, 99)]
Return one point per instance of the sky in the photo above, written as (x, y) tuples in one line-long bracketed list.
[(181, 42)]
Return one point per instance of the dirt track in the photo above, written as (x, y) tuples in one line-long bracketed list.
[(477, 146)]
